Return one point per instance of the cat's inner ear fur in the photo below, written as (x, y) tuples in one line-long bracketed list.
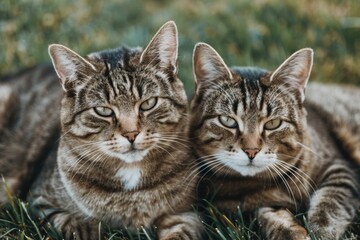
[(295, 71), (162, 50), (69, 65), (208, 67)]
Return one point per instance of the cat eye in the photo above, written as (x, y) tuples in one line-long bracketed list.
[(103, 111), (148, 104), (273, 124), (228, 121)]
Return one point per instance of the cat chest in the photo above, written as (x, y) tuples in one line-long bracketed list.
[(126, 206), (129, 177)]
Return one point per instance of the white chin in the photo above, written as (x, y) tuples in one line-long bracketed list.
[(247, 171), (133, 156), (250, 171)]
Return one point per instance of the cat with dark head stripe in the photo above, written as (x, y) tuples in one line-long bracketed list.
[(262, 150), (122, 157)]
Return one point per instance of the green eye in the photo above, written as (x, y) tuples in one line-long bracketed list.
[(273, 124), (148, 104), (103, 111), (228, 121)]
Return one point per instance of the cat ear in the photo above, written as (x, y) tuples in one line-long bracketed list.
[(163, 48), (208, 66), (295, 71), (68, 65)]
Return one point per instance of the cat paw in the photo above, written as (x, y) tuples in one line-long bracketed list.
[(74, 228), (175, 236), (184, 226), (324, 233), (280, 224)]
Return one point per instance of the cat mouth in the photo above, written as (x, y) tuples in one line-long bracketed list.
[(251, 164), (132, 149)]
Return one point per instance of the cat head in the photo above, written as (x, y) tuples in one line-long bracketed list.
[(122, 103), (248, 120)]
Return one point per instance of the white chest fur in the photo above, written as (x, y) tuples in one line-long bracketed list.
[(129, 176)]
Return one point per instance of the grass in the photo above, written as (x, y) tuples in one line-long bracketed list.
[(17, 222), (247, 32)]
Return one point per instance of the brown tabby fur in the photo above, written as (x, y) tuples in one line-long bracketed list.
[(265, 151), (122, 156), (339, 105)]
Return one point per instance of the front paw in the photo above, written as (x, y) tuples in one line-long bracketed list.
[(184, 226), (175, 236), (74, 228), (280, 224), (324, 233)]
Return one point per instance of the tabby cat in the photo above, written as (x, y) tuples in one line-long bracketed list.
[(121, 156), (266, 152)]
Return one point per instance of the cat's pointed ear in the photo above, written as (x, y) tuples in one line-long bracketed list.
[(69, 65), (208, 66), (163, 48), (295, 71)]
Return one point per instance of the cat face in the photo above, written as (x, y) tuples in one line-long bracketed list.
[(124, 103), (248, 121)]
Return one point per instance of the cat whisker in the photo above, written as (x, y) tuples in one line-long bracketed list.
[(94, 161), (91, 144), (63, 135), (159, 145), (288, 173), (308, 149), (299, 180), (197, 169), (300, 173), (175, 140), (272, 176), (181, 135), (88, 159), (87, 153), (213, 166), (200, 167), (279, 173)]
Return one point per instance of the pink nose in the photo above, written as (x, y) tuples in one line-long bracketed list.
[(131, 136), (251, 152)]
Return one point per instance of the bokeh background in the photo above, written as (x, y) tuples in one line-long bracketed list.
[(244, 32)]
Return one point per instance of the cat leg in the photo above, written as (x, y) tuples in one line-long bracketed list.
[(280, 224), (70, 225), (51, 203), (76, 228), (334, 204), (184, 226)]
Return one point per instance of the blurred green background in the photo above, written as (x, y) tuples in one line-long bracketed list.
[(244, 32)]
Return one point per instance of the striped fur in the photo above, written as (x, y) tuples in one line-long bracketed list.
[(122, 156), (263, 151), (29, 128)]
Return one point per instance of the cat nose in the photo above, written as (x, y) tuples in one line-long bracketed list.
[(251, 152), (131, 136)]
